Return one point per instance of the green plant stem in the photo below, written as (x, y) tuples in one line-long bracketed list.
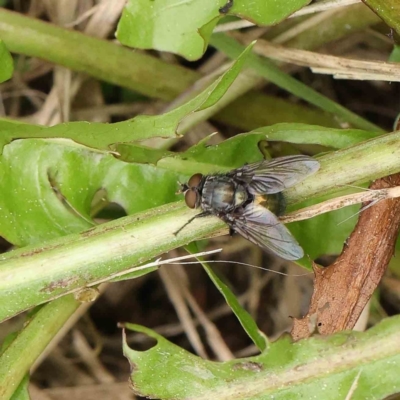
[(30, 342), (6, 63), (353, 165), (270, 71), (270, 110), (34, 275)]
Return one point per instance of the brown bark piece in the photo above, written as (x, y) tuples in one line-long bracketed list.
[(342, 290)]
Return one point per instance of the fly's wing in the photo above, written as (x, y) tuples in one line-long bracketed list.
[(267, 177), (262, 227)]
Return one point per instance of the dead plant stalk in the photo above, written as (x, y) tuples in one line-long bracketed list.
[(342, 290)]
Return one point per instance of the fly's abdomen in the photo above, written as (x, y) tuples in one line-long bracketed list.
[(274, 202)]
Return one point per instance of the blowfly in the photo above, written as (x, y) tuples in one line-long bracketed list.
[(249, 200)]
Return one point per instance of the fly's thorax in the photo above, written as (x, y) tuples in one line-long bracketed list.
[(222, 194), (274, 202)]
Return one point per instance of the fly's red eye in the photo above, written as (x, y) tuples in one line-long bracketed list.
[(195, 180), (191, 198)]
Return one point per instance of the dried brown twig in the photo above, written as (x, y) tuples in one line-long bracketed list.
[(342, 290)]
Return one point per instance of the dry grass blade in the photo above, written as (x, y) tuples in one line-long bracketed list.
[(84, 16), (175, 329), (91, 359), (214, 337), (342, 290), (173, 285), (336, 66), (362, 322), (326, 64), (100, 22), (353, 386), (82, 310), (304, 26), (104, 391)]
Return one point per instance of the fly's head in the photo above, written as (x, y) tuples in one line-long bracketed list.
[(192, 191)]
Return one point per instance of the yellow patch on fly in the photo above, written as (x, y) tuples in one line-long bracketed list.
[(260, 200), (273, 202)]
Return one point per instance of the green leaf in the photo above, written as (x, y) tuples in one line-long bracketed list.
[(182, 27), (388, 10), (101, 136), (363, 364), (265, 12), (201, 157), (395, 54), (242, 148), (245, 319), (22, 392), (229, 154), (136, 153), (185, 27), (50, 185), (6, 63), (312, 134)]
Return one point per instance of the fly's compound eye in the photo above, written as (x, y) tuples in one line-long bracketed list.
[(195, 180), (191, 198)]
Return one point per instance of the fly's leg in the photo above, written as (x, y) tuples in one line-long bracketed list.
[(201, 215), (230, 221)]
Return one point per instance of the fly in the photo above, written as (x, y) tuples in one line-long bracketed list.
[(249, 200)]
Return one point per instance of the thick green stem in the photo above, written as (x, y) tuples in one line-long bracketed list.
[(33, 275)]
